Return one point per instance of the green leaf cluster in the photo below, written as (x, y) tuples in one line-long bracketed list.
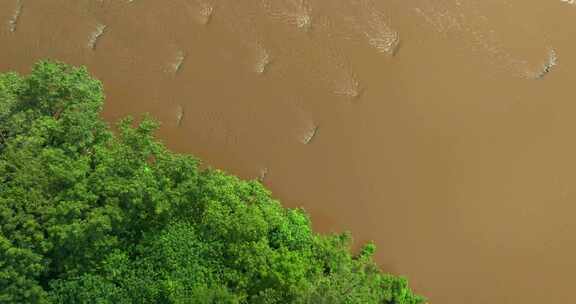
[(88, 215)]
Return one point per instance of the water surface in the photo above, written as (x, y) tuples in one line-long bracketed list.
[(441, 129)]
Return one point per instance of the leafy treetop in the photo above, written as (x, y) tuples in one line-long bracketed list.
[(91, 216)]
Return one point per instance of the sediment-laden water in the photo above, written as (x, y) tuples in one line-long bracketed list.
[(441, 129)]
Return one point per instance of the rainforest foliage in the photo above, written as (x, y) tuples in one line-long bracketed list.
[(91, 215)]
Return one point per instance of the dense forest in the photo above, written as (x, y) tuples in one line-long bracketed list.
[(94, 214)]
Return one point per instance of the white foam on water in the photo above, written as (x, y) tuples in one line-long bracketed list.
[(343, 80), (178, 62), (179, 115), (13, 21), (201, 10), (262, 174), (294, 12), (546, 67), (375, 27), (572, 2), (205, 12), (387, 44), (309, 135), (95, 35), (263, 59), (474, 30), (333, 69), (347, 86), (440, 18), (242, 24), (331, 65), (304, 22), (305, 128)]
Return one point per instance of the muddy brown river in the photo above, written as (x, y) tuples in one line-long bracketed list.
[(443, 130)]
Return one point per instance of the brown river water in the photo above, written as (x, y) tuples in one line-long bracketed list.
[(440, 129)]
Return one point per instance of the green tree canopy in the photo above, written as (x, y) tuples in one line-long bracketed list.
[(92, 216)]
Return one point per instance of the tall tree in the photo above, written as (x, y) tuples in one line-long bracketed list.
[(93, 216)]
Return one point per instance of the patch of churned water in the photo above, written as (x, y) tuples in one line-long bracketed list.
[(386, 44), (343, 80), (440, 18), (201, 10), (262, 174), (476, 32), (294, 12), (546, 67), (179, 115), (243, 26), (347, 85), (573, 2), (95, 35), (375, 27), (333, 67), (336, 71), (305, 126), (304, 22), (13, 21), (263, 59), (309, 134), (176, 66), (205, 12), (175, 62)]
